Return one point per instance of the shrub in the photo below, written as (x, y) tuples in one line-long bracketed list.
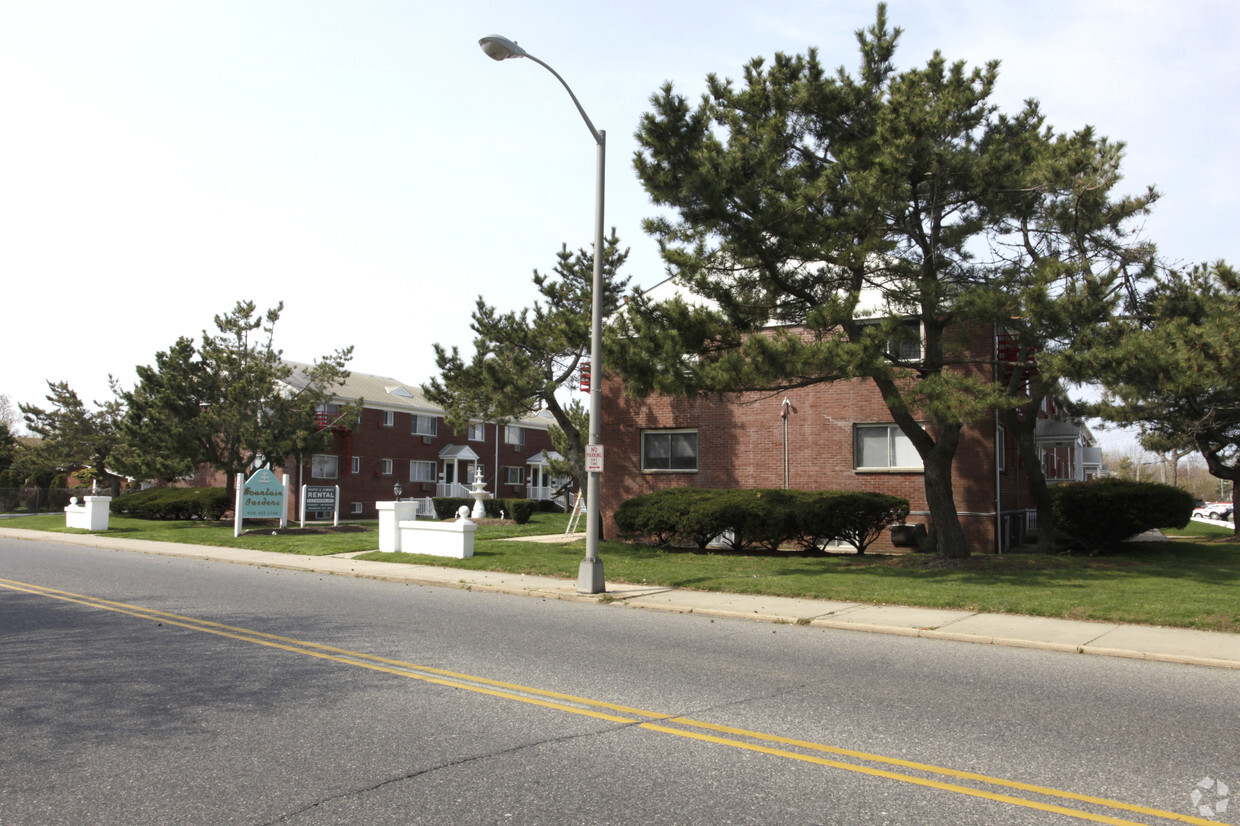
[(518, 510), (767, 518), (657, 516), (1102, 513), (174, 503)]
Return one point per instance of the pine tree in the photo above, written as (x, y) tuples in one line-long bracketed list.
[(232, 403), (1174, 367), (821, 221), (75, 438), (523, 359)]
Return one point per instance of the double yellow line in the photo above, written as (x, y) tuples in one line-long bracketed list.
[(920, 774)]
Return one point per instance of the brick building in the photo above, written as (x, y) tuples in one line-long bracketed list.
[(833, 436), (402, 438)]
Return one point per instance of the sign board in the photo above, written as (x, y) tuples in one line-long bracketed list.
[(321, 497), (594, 458), (262, 496)]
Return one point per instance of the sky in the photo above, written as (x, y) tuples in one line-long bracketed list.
[(368, 166)]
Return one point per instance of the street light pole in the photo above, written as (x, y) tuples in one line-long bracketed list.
[(590, 572)]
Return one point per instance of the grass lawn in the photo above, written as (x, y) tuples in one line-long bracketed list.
[(1192, 580)]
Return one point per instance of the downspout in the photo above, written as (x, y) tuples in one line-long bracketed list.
[(998, 458), (784, 415)]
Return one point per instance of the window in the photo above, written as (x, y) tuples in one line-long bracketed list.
[(356, 466), (421, 471), (514, 476), (355, 507), (476, 433), (385, 467), (883, 446), (670, 450), (514, 435), (389, 418), (905, 341), (323, 467), (1001, 448), (424, 425)]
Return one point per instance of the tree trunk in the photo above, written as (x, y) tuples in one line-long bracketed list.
[(945, 536)]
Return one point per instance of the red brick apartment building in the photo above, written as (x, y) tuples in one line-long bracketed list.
[(402, 438), (837, 436)]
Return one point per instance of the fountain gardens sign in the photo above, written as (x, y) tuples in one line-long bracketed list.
[(262, 496)]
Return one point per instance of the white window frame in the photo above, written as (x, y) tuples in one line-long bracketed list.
[(895, 441), (355, 508), (322, 468), (356, 465), (520, 475), (476, 432), (389, 418), (650, 437), (421, 425), (514, 435), (1001, 448), (385, 467), (423, 471)]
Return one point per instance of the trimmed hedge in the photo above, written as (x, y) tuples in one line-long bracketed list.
[(518, 510), (174, 503), (1104, 512), (767, 518)]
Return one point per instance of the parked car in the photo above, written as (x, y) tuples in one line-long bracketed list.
[(1214, 510)]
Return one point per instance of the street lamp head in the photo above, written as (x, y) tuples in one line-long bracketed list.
[(500, 48)]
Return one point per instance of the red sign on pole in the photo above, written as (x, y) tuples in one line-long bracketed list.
[(584, 374)]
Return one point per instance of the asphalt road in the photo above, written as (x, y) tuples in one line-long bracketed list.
[(139, 689)]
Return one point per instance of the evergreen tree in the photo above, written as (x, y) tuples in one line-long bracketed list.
[(523, 359), (832, 227), (1174, 368), (75, 438), (232, 403)]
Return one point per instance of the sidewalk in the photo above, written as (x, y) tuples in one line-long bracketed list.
[(1175, 645)]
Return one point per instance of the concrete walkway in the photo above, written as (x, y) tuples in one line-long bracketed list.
[(1176, 645)]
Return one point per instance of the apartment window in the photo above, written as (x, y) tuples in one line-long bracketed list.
[(356, 465), (355, 507), (670, 450), (883, 447), (422, 471), (514, 435), (324, 467), (1001, 448), (905, 341), (385, 467), (514, 476), (389, 418), (424, 425), (476, 433)]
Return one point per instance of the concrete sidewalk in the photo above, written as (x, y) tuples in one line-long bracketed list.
[(1176, 645)]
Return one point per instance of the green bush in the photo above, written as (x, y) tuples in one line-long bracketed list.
[(765, 518), (518, 510), (208, 504), (1102, 513)]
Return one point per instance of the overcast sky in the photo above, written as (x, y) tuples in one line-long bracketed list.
[(366, 163)]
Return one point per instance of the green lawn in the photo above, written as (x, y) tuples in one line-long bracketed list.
[(1191, 581)]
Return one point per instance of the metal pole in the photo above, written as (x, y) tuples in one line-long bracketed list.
[(590, 572)]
